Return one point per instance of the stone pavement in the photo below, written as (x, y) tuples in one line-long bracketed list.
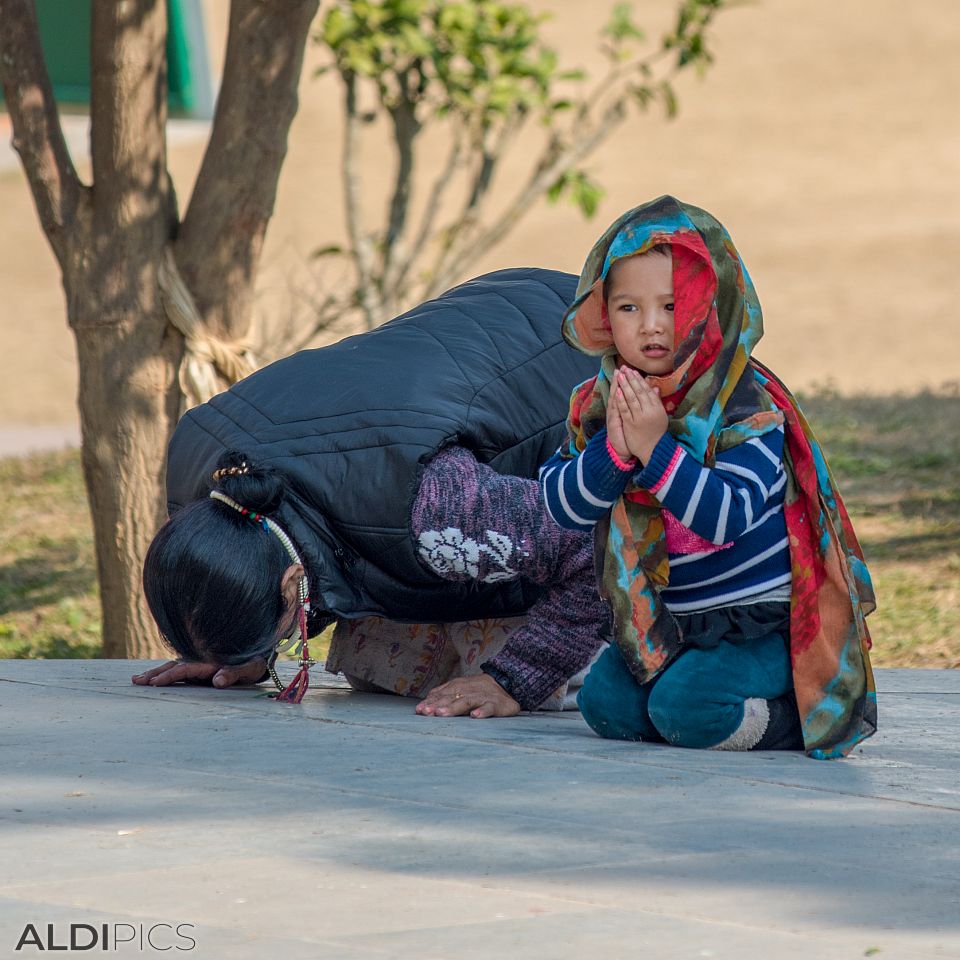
[(223, 825)]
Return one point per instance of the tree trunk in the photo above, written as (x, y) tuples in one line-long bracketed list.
[(129, 400), (112, 238), (129, 391)]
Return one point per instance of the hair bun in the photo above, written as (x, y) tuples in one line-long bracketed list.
[(256, 487)]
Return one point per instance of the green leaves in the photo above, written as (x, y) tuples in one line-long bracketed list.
[(484, 62), (479, 58), (480, 74), (330, 250), (621, 25), (578, 187), (689, 36)]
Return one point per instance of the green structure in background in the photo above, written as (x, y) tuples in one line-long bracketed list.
[(65, 33)]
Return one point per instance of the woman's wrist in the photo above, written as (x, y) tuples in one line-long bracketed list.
[(505, 681)]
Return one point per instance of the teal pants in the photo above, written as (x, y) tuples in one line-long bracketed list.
[(697, 701)]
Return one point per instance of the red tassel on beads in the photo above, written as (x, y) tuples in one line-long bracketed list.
[(294, 691)]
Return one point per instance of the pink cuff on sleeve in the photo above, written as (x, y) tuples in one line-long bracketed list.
[(621, 465), (671, 466)]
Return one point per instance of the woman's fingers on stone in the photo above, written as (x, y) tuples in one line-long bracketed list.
[(438, 693), (177, 672), (493, 708), (456, 707), (444, 706), (244, 673), (227, 676), (148, 675), (447, 704), (167, 674), (183, 672), (436, 702), (504, 706), (474, 696), (166, 677)]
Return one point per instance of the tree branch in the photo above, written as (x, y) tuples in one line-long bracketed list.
[(37, 134), (462, 229), (128, 117), (406, 126), (221, 238), (543, 176), (361, 248), (430, 213), (324, 314), (557, 158)]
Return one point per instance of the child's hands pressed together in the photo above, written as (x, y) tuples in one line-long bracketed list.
[(642, 416), (615, 435)]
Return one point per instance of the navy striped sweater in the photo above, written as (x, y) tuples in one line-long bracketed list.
[(725, 528)]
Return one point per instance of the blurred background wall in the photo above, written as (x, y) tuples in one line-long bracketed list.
[(826, 137)]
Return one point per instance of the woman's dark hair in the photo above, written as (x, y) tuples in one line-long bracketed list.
[(212, 576)]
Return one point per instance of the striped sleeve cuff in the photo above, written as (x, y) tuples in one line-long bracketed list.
[(615, 457), (664, 460), (604, 473), (578, 492)]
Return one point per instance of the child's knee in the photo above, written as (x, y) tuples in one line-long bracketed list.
[(612, 703), (686, 716), (605, 719)]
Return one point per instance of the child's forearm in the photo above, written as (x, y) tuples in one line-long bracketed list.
[(719, 503), (578, 492)]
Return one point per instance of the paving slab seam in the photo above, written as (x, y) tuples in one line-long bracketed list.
[(539, 818), (660, 766), (802, 936), (547, 896), (12, 890), (429, 729), (605, 905), (162, 695), (810, 935), (705, 771), (315, 790), (663, 765)]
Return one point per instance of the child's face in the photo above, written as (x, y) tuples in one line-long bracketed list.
[(640, 307)]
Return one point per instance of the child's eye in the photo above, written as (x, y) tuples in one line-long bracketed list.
[(669, 307)]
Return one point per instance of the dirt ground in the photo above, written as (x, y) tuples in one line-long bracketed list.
[(826, 138)]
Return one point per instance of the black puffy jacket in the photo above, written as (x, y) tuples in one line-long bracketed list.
[(351, 425)]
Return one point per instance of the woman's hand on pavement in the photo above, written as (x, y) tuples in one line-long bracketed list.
[(480, 697), (184, 671)]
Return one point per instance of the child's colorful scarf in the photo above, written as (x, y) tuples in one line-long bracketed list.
[(718, 397)]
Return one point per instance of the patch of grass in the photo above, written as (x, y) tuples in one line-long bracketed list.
[(49, 601), (49, 605), (895, 460)]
